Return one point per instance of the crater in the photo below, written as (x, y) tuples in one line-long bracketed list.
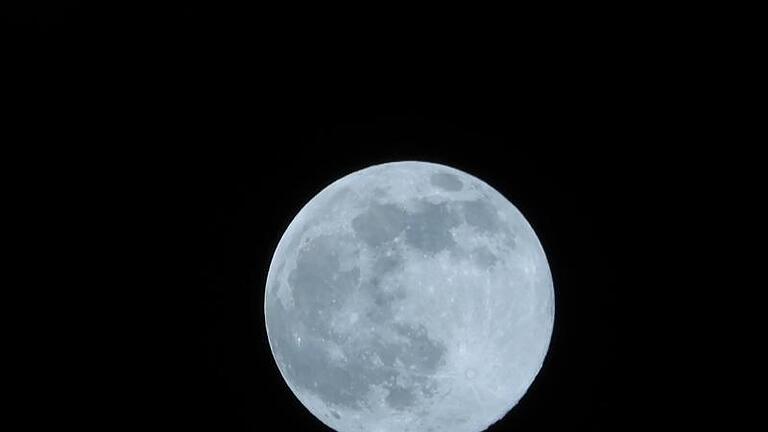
[(446, 181)]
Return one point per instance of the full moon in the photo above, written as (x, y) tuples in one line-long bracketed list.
[(409, 297)]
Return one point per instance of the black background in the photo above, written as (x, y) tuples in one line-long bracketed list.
[(199, 131)]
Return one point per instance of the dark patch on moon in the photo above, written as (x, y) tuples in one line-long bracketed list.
[(421, 352), (379, 224), (382, 301), (446, 181), (383, 295), (482, 215), (400, 398), (385, 264), (483, 257), (318, 286), (300, 335), (429, 229)]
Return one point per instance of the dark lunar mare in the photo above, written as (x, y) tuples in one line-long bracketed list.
[(319, 290), (446, 181)]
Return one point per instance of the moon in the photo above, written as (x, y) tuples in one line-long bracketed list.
[(409, 296)]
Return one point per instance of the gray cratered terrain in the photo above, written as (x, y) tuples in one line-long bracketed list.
[(409, 297)]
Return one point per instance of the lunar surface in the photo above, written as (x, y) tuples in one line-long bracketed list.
[(409, 297)]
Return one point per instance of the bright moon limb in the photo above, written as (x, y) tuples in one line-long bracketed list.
[(406, 297)]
